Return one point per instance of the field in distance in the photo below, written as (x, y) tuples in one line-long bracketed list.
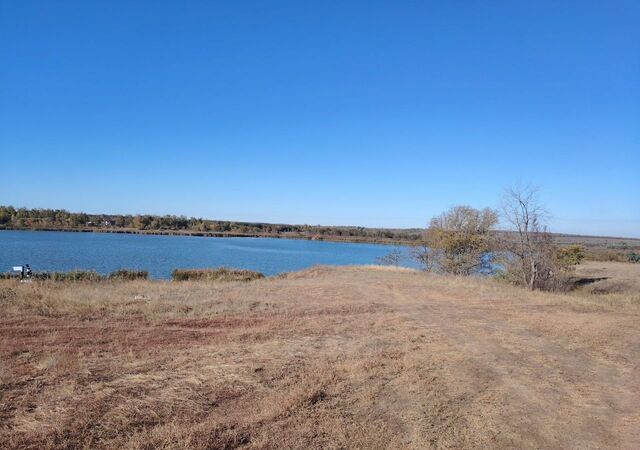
[(349, 357)]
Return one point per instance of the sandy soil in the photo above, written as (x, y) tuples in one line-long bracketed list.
[(326, 358)]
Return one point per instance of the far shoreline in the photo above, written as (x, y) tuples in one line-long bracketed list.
[(561, 238), (217, 234)]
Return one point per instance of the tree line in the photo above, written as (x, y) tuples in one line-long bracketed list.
[(24, 218)]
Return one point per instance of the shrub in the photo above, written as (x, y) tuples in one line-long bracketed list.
[(129, 275), (570, 256), (83, 275), (393, 258), (74, 275), (458, 241), (633, 257), (218, 274)]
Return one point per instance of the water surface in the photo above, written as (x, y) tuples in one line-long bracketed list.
[(106, 252)]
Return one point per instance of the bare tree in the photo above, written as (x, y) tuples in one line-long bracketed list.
[(393, 258), (424, 256), (531, 248)]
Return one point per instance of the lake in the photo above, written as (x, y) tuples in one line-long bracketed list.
[(106, 252)]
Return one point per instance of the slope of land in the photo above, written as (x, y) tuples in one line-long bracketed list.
[(326, 358)]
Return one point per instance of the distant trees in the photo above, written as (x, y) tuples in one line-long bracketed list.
[(141, 222), (458, 241), (11, 217), (201, 225), (5, 217)]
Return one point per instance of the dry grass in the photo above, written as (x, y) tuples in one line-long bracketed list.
[(355, 357), (609, 254), (218, 274), (614, 281)]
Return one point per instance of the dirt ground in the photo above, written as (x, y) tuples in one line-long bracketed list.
[(358, 357), (609, 277)]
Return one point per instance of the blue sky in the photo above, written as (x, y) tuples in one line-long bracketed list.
[(362, 113)]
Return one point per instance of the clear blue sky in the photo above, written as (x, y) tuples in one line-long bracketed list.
[(365, 113)]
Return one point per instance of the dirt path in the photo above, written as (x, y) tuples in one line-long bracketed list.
[(503, 372)]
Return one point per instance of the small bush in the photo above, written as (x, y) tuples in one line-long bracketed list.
[(219, 274), (633, 257), (82, 275), (560, 282), (74, 275), (393, 258), (570, 256), (129, 275), (504, 276)]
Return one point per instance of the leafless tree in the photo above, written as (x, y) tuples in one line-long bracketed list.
[(393, 258), (425, 256), (529, 244)]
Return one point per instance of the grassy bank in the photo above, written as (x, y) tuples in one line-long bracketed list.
[(220, 274), (86, 276)]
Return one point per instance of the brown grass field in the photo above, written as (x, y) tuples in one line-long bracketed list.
[(351, 357)]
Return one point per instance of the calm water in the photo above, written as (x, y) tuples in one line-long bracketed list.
[(104, 252)]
